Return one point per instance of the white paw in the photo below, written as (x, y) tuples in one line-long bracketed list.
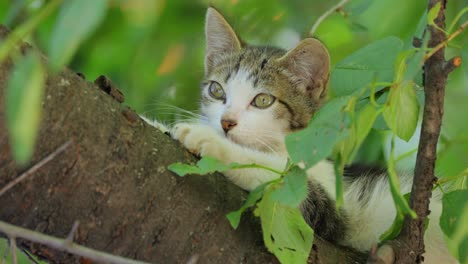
[(199, 139)]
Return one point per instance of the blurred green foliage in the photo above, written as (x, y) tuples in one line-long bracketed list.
[(6, 255), (153, 49)]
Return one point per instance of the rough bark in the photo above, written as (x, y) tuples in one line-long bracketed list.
[(409, 245), (113, 179)]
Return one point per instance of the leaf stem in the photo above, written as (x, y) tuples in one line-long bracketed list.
[(446, 41), (333, 9)]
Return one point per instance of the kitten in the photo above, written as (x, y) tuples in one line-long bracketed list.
[(252, 97)]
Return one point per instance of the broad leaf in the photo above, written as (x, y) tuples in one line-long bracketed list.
[(452, 159), (432, 14), (453, 222), (76, 21), (373, 62), (23, 105), (204, 166), (255, 195), (285, 232), (293, 189), (316, 142), (402, 110)]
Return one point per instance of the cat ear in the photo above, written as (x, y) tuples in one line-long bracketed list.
[(308, 67), (220, 38)]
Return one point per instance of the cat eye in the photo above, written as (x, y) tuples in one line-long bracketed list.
[(263, 100), (216, 91)]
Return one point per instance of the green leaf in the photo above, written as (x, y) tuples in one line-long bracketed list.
[(432, 14), (293, 189), (255, 195), (76, 21), (285, 232), (451, 160), (365, 120), (358, 132), (402, 110), (23, 105), (453, 222), (204, 166), (316, 142), (374, 62)]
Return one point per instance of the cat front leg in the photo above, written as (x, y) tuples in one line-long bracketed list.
[(205, 141), (201, 140)]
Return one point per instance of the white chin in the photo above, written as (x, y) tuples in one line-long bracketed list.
[(243, 141)]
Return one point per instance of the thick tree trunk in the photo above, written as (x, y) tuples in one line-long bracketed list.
[(113, 179)]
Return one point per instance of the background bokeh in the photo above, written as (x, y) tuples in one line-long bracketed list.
[(153, 49)]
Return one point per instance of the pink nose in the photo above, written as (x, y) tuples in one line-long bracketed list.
[(228, 124)]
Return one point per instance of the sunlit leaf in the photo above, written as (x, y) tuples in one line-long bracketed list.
[(453, 222), (432, 14), (285, 232), (402, 110), (76, 21), (204, 166), (293, 190), (373, 62), (316, 142), (23, 105), (365, 121)]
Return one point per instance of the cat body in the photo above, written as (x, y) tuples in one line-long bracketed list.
[(252, 97)]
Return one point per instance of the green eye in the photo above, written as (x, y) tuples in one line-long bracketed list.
[(216, 91), (263, 100)]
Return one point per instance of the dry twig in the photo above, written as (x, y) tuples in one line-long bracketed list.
[(319, 20), (34, 168), (13, 231)]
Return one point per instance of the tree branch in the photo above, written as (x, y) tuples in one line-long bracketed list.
[(409, 245), (113, 180)]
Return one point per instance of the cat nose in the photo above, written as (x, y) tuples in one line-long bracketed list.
[(228, 124)]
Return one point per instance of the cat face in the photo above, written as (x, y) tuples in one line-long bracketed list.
[(255, 96)]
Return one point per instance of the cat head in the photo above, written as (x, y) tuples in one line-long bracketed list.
[(255, 96)]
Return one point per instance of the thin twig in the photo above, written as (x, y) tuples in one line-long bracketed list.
[(63, 245), (446, 41), (13, 249), (34, 168), (327, 14), (71, 235), (29, 256)]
